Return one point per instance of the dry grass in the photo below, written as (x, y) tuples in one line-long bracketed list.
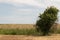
[(23, 26), (14, 26), (25, 37), (17, 29)]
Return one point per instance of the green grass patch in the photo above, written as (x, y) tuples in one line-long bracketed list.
[(18, 31)]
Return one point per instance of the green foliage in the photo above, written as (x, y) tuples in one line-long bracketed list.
[(46, 20), (18, 31)]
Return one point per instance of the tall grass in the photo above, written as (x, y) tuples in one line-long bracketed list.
[(18, 31), (58, 31)]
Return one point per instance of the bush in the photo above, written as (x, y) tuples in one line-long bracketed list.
[(46, 20)]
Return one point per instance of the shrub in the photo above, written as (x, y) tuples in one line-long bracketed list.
[(46, 20)]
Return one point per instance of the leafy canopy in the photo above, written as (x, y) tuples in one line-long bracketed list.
[(46, 20)]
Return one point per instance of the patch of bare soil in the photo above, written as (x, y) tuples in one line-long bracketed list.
[(25, 37)]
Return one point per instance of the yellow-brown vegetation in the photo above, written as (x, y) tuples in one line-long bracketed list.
[(14, 26)]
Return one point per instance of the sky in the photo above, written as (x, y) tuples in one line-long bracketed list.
[(24, 11)]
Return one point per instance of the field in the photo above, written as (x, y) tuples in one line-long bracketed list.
[(17, 29), (14, 26), (25, 37), (22, 26)]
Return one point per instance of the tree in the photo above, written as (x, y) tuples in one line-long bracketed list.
[(46, 20)]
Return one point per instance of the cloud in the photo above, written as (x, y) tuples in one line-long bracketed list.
[(48, 3), (12, 14), (17, 2), (17, 20), (20, 10), (38, 3)]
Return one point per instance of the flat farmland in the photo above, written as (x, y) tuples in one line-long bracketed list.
[(23, 26), (14, 26), (25, 37)]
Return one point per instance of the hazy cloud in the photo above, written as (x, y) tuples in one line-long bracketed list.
[(16, 11)]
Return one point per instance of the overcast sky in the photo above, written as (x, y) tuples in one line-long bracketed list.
[(24, 11)]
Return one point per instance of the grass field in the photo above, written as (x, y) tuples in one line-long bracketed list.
[(24, 37), (18, 29), (14, 26), (22, 26)]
